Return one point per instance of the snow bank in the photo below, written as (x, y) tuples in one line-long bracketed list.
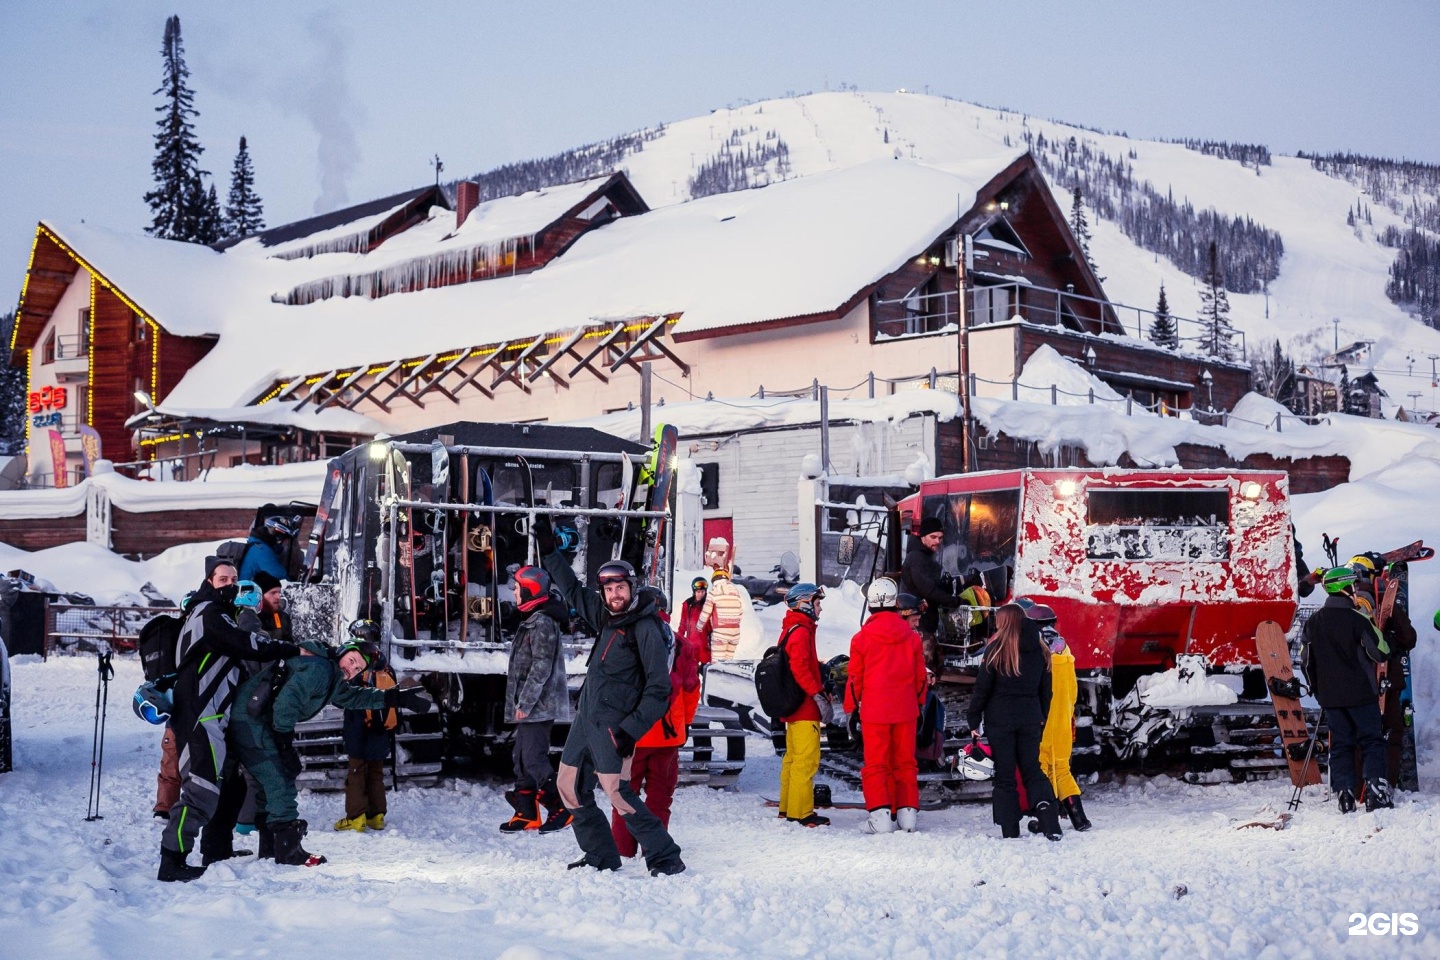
[(108, 577)]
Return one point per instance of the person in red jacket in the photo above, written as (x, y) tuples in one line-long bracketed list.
[(656, 764), (691, 631), (802, 728), (887, 685)]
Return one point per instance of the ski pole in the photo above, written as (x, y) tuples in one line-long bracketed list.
[(97, 744), (1294, 803)]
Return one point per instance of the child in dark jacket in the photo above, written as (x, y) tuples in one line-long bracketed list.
[(367, 735)]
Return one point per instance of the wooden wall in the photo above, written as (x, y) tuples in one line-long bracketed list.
[(43, 533), (118, 359), (147, 534)]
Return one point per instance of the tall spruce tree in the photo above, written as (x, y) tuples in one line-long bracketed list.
[(1164, 332), (209, 225), (176, 201), (244, 211), (1215, 310), (12, 395), (1081, 227)]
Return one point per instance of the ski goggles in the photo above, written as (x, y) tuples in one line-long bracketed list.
[(151, 706)]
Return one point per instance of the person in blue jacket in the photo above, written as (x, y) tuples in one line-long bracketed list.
[(267, 544)]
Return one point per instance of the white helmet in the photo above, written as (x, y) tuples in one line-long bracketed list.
[(882, 594), (975, 764)]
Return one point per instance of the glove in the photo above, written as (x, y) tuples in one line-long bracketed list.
[(544, 535), (624, 743), (289, 757), (827, 709), (409, 699)]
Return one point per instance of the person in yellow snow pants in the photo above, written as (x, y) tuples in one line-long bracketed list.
[(1058, 741), (798, 769)]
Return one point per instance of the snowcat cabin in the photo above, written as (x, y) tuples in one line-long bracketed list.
[(1139, 565)]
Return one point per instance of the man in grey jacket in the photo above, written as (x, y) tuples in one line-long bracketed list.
[(537, 695), (627, 689)]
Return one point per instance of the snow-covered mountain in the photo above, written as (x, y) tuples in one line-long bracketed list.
[(1331, 270)]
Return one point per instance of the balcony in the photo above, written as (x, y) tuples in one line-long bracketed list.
[(72, 359), (933, 314)]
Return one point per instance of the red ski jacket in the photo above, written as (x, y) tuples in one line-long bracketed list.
[(887, 671), (692, 631), (798, 632)]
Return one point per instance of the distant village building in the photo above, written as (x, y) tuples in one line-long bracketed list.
[(402, 313)]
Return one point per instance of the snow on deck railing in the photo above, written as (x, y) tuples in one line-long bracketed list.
[(421, 273)]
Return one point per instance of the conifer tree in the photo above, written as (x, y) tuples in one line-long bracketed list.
[(244, 211), (176, 167), (12, 394), (1164, 331), (1215, 310), (209, 222), (1081, 228)]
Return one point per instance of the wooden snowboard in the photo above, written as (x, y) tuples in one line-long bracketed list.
[(1274, 654)]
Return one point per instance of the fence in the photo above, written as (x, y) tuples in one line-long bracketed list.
[(75, 629)]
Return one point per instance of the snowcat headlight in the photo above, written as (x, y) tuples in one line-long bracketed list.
[(1066, 488), (1251, 490), (377, 451)]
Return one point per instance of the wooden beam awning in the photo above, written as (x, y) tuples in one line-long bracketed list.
[(595, 349)]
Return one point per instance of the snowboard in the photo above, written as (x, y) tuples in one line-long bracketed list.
[(1396, 685), (322, 516), (439, 521), (1274, 653), (662, 482)]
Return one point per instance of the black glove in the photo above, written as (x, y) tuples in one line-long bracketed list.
[(409, 699), (289, 757), (624, 743), (544, 535)]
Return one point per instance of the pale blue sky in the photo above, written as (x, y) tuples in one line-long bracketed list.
[(347, 101)]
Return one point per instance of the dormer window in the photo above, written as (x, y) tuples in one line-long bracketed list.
[(1001, 236), (142, 329)]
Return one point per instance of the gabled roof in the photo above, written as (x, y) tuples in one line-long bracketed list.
[(369, 215)]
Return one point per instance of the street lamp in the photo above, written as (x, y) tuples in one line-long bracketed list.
[(1090, 356), (1209, 382)]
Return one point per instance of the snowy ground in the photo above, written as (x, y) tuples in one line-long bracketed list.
[(1163, 873)]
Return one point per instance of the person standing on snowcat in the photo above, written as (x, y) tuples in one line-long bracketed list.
[(921, 576), (1340, 652), (626, 689), (266, 548)]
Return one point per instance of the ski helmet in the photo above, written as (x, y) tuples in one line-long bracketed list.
[(1024, 603), (1041, 613), (614, 571), (907, 604), (365, 630), (1338, 579), (151, 705), (699, 583), (532, 588), (1363, 566), (720, 575), (368, 651), (881, 594), (975, 762), (802, 597), (249, 594)]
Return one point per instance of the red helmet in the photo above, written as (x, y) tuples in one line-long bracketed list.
[(532, 588)]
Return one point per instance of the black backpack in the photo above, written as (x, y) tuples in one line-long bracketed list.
[(157, 642), (775, 683)]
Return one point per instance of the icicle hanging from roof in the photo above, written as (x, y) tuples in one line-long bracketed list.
[(358, 242), (421, 273)]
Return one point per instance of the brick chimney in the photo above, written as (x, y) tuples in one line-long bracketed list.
[(467, 198)]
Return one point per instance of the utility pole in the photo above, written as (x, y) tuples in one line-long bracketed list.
[(645, 402), (962, 255), (438, 167)]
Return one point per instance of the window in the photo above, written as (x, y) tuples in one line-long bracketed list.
[(47, 352), (82, 403), (710, 485), (980, 535), (85, 332), (926, 310), (992, 304), (142, 329), (1176, 525)]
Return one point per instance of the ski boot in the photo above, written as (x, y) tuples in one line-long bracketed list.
[(1377, 795), (556, 816), (376, 822), (1011, 830), (585, 862), (1076, 811), (1049, 816), (287, 845), (668, 868), (905, 819), (173, 868), (267, 839), (1345, 799), (813, 820), (879, 822), (526, 816), (351, 823)]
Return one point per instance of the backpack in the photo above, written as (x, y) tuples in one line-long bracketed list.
[(780, 695), (380, 677), (157, 643), (233, 552)]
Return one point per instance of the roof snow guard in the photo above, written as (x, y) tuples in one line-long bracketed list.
[(610, 345)]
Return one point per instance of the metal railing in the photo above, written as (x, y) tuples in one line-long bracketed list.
[(932, 313), (77, 629)]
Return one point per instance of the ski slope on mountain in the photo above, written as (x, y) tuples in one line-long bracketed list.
[(1330, 270)]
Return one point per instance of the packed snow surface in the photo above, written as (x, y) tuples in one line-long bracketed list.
[(1165, 872)]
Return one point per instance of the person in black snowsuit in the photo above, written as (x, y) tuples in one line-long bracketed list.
[(1341, 649), (1012, 697), (211, 658), (626, 690), (921, 576)]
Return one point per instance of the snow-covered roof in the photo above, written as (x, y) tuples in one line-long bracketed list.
[(329, 420)]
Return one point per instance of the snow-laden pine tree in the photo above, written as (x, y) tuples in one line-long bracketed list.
[(209, 221), (176, 167), (1215, 310), (244, 211), (1164, 332), (12, 395)]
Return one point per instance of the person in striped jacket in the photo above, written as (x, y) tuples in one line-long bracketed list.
[(213, 658), (721, 616)]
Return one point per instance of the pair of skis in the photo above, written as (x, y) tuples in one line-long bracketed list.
[(658, 477)]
